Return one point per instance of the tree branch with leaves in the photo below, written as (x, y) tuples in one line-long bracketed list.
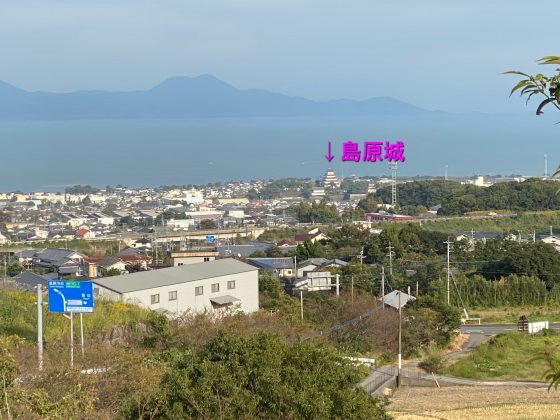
[(547, 87)]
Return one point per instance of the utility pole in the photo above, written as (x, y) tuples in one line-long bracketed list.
[(399, 360), (448, 272), (383, 287), (352, 277), (390, 255), (40, 325), (301, 303), (360, 256), (338, 285)]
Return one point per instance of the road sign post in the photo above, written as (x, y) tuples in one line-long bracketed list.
[(69, 297), (71, 339), (40, 325)]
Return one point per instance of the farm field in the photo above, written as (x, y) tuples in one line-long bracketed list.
[(473, 403)]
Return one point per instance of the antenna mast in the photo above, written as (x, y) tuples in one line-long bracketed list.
[(393, 167)]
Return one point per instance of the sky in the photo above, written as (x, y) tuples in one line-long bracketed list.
[(436, 54)]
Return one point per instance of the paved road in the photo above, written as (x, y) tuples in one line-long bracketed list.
[(383, 377)]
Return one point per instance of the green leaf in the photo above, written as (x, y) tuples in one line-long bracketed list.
[(529, 88), (519, 85), (531, 94), (516, 72), (549, 59)]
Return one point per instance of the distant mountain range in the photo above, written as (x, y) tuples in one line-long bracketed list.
[(184, 97)]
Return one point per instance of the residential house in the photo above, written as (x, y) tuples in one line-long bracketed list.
[(142, 243), (84, 232), (312, 236), (62, 261), (111, 263), (3, 239), (103, 219), (309, 265), (219, 285), (28, 280), (241, 251), (194, 256), (281, 267), (134, 258)]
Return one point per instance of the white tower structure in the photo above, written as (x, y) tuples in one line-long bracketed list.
[(393, 167)]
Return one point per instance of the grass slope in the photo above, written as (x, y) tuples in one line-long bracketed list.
[(18, 316), (504, 357)]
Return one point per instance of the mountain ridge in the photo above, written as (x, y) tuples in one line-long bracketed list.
[(203, 96)]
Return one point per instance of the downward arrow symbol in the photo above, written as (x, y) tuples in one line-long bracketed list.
[(329, 157)]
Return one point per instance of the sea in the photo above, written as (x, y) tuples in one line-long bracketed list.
[(51, 155)]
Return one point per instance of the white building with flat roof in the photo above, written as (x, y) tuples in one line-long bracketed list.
[(211, 286)]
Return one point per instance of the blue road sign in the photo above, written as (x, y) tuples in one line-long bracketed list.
[(70, 296), (210, 238)]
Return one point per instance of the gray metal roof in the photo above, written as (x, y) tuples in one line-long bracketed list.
[(174, 275), (30, 280), (273, 263), (392, 299)]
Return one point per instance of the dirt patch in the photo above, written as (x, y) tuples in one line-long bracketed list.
[(478, 402), (457, 344), (515, 411)]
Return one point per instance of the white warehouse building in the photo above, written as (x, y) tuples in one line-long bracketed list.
[(208, 286)]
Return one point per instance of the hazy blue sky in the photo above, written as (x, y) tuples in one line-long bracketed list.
[(436, 54)]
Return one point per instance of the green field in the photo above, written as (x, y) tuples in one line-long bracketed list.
[(505, 357)]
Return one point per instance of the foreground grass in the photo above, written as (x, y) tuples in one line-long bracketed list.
[(504, 357), (487, 403), (18, 316)]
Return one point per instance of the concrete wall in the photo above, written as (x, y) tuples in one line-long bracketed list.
[(178, 261)]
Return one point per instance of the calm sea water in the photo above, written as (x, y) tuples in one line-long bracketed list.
[(49, 155)]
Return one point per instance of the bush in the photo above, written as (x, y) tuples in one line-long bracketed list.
[(259, 377), (432, 363)]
